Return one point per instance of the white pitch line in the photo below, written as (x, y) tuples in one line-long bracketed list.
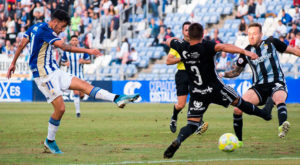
[(199, 160)]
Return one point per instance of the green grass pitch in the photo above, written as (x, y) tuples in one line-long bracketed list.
[(139, 134)]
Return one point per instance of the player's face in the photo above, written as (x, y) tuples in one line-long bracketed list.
[(254, 35), (74, 41), (185, 32), (60, 26)]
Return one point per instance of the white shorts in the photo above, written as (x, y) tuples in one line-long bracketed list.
[(54, 84)]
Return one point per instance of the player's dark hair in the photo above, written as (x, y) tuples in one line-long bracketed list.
[(195, 31), (74, 36), (255, 25), (61, 15), (186, 23)]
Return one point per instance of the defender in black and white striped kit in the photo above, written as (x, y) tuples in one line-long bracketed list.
[(268, 78), (206, 87)]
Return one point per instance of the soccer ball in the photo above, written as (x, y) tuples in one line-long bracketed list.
[(228, 142)]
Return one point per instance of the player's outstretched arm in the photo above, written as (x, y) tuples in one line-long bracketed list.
[(233, 49), (168, 42), (292, 50), (69, 48), (20, 48), (233, 73)]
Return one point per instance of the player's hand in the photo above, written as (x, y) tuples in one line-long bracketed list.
[(252, 55), (81, 61), (67, 63), (11, 70), (94, 52)]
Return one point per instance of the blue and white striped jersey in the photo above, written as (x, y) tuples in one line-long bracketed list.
[(266, 69), (41, 61), (75, 68)]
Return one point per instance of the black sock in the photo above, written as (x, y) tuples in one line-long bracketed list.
[(185, 132), (175, 113), (117, 96), (251, 109), (238, 126), (282, 113)]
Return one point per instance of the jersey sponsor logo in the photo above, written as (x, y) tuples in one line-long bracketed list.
[(195, 55), (262, 58), (197, 106), (203, 91)]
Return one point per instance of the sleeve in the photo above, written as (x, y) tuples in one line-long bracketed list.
[(175, 44), (241, 61), (280, 46), (86, 56), (64, 57), (49, 36), (27, 33), (211, 47)]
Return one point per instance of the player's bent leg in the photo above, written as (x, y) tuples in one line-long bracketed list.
[(251, 97), (177, 108), (54, 122), (279, 98)]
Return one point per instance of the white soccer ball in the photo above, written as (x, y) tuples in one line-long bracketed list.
[(228, 142)]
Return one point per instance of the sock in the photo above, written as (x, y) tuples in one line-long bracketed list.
[(238, 126), (102, 94), (175, 113), (186, 131), (52, 128), (282, 113), (77, 103), (251, 109)]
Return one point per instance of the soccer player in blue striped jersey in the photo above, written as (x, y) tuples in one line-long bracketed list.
[(50, 80), (268, 78), (74, 62)]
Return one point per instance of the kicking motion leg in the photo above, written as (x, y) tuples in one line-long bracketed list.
[(98, 93)]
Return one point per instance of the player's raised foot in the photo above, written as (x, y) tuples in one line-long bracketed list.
[(268, 108), (283, 129), (169, 153), (78, 115), (52, 146), (122, 100), (173, 125), (202, 128), (240, 144)]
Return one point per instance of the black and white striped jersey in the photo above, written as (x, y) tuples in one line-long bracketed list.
[(266, 68)]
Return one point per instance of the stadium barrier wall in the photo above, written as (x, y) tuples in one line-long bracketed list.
[(150, 91)]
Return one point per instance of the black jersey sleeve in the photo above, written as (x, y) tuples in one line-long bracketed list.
[(241, 61), (280, 46), (175, 44), (211, 47)]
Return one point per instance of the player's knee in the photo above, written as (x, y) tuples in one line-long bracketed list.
[(237, 111), (180, 106), (61, 109)]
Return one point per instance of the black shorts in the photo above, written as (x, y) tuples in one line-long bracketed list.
[(217, 93), (182, 82), (266, 90)]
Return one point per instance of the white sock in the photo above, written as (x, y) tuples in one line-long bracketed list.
[(51, 131), (105, 95), (77, 104)]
